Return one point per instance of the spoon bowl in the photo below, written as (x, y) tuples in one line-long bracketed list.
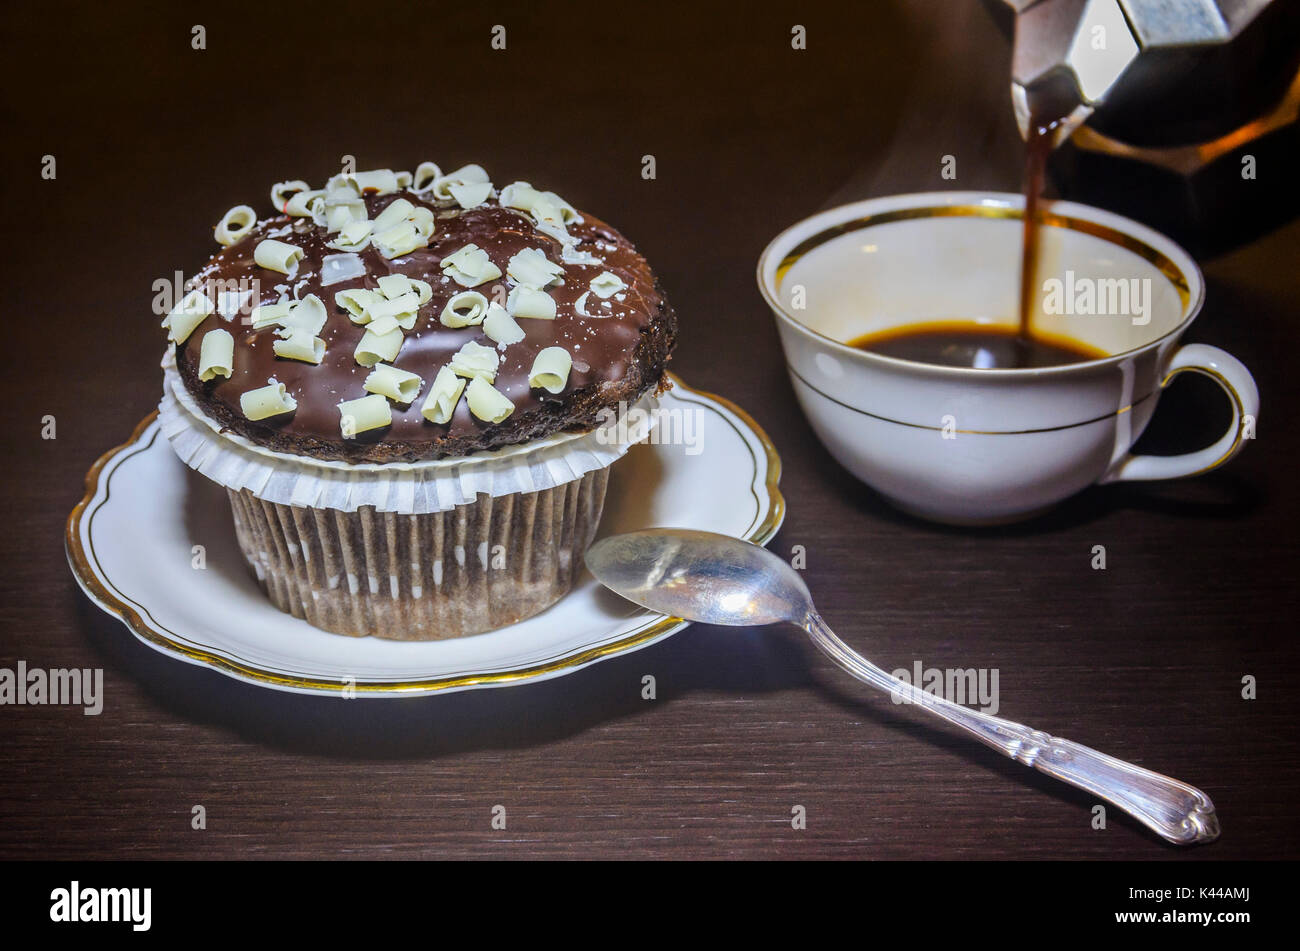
[(700, 576)]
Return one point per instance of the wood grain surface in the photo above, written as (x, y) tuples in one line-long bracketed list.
[(155, 140)]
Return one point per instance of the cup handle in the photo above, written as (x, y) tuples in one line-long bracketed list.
[(1231, 374)]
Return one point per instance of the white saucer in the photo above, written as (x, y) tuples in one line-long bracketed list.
[(131, 544)]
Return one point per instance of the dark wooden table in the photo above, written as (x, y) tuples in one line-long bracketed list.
[(154, 140)]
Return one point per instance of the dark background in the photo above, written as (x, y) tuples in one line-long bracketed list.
[(154, 141)]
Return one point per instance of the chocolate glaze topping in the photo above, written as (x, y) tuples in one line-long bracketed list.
[(610, 347)]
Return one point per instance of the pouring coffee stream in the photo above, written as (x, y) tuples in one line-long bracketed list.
[(976, 345), (1038, 147)]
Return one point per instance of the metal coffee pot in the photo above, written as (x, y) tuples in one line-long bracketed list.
[(1170, 104)]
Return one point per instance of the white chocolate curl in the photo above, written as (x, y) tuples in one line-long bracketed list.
[(519, 195), (305, 316), (530, 302), (394, 286), (317, 208), (398, 210), (443, 396), (269, 400), (525, 197), (216, 354), (234, 224), (342, 187), (300, 345), (403, 310), (500, 326), (300, 205), (550, 370), (532, 268), (379, 181), (277, 256), (399, 240), (376, 347), (472, 195), (569, 254), (426, 173), (547, 210), (356, 301), (470, 266), (281, 192), (606, 284), (379, 326), (423, 220), (181, 320), (465, 175), (270, 315), (400, 386), (487, 402), (341, 212), (568, 214), (353, 236), (475, 361), (465, 309), (552, 214), (366, 413)]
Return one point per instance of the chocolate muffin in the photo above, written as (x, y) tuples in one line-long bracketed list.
[(601, 302), (395, 324)]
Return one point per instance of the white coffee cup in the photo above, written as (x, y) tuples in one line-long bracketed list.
[(969, 445)]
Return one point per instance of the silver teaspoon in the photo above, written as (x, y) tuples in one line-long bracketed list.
[(714, 579)]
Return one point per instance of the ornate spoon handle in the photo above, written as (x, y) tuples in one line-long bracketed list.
[(1176, 811)]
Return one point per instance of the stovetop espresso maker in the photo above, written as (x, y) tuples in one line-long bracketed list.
[(1182, 112)]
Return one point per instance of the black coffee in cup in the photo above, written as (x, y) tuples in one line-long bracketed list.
[(962, 343)]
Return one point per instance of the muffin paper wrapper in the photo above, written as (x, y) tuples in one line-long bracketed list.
[(448, 574), (417, 488)]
